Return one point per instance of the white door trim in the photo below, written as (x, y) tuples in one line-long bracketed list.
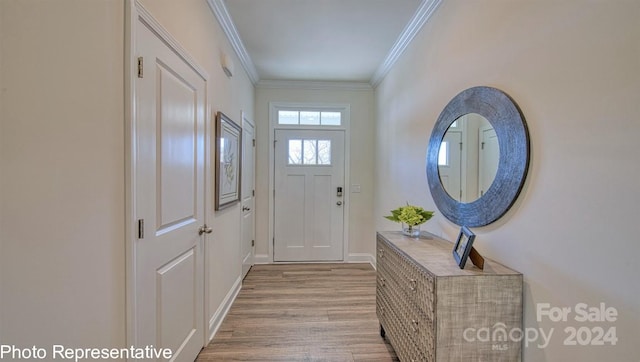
[(273, 125), (134, 13), (243, 119)]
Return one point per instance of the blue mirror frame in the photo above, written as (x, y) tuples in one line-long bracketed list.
[(513, 138)]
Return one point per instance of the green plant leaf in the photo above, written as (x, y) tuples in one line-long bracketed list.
[(410, 215)]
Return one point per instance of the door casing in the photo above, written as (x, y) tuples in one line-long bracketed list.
[(248, 196)]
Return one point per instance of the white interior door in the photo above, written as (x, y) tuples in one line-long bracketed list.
[(169, 197), (248, 195), (488, 159), (450, 164), (309, 186)]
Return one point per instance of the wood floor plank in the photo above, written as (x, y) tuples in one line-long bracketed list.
[(303, 312)]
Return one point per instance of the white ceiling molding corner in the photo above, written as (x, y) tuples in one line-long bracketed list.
[(314, 85), (220, 11), (424, 12)]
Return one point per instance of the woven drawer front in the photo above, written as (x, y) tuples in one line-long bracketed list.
[(404, 309), (416, 283), (398, 331), (394, 325), (422, 287)]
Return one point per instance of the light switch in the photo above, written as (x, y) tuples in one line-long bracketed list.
[(355, 189)]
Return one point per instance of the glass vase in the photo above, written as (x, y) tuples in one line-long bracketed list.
[(411, 231)]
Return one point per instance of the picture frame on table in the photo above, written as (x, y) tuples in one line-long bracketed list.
[(463, 246), (228, 161)]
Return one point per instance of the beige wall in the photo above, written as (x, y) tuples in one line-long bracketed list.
[(572, 67), (362, 150), (62, 210), (62, 255)]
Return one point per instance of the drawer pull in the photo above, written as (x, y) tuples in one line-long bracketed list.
[(382, 280), (413, 284), (381, 253)]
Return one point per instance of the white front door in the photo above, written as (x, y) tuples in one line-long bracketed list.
[(309, 187), (169, 200), (248, 195)]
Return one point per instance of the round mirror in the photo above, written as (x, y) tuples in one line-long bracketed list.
[(495, 195), (468, 157)]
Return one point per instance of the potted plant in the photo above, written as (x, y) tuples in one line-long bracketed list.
[(411, 218)]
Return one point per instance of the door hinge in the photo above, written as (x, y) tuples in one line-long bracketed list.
[(274, 192), (253, 243), (482, 146), (140, 67), (274, 143), (253, 193), (140, 228), (460, 146), (254, 142)]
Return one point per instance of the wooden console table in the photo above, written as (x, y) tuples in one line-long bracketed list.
[(431, 310)]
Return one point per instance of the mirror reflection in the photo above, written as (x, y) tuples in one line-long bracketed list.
[(468, 158)]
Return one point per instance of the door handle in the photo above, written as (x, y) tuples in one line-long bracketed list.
[(204, 229), (339, 203), (244, 208)]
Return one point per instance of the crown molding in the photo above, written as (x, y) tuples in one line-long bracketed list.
[(222, 14), (424, 12), (147, 18), (314, 85)]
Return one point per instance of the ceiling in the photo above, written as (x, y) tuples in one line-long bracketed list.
[(320, 40)]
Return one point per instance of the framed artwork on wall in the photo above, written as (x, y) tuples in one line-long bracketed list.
[(228, 160), (463, 246)]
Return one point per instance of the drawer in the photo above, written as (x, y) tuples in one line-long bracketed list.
[(387, 265), (403, 307), (393, 263), (393, 325), (418, 286), (413, 346), (423, 334), (418, 331), (422, 290), (385, 280), (383, 311)]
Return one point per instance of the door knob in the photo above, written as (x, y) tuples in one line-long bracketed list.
[(339, 203), (204, 229)]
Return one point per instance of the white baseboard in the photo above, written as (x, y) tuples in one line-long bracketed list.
[(262, 259), (361, 258), (216, 320)]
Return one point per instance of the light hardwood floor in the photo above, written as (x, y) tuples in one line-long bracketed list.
[(303, 312)]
